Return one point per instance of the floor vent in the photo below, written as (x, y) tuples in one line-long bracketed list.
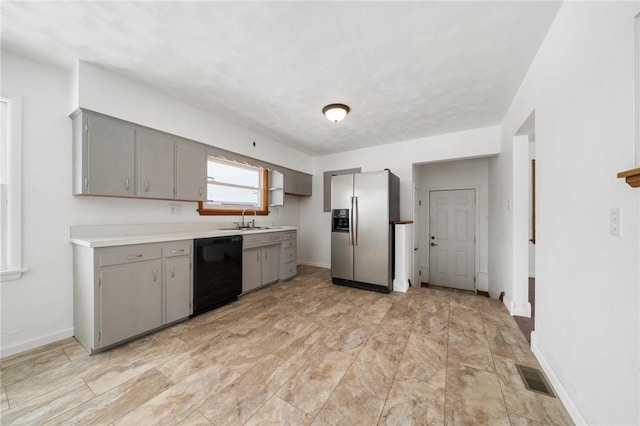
[(534, 380)]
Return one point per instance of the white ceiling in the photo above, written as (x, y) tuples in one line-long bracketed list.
[(406, 69)]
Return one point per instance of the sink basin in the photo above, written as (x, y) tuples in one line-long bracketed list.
[(255, 228)]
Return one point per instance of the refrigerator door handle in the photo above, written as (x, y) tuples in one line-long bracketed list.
[(351, 223), (355, 225)]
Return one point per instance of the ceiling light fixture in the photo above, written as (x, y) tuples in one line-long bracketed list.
[(335, 112)]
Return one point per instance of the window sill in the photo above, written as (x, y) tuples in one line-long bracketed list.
[(12, 274)]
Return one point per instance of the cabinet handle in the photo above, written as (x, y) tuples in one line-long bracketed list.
[(177, 251), (258, 256), (154, 274), (146, 186), (200, 191), (126, 183), (266, 255), (173, 272), (134, 257)]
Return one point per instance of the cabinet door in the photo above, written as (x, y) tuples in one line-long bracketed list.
[(130, 301), (305, 184), (110, 157), (155, 156), (291, 182), (191, 167), (270, 264), (251, 269), (178, 294)]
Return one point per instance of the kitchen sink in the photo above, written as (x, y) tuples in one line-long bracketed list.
[(255, 228)]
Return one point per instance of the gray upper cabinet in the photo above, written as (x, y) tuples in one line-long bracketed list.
[(297, 183), (116, 158), (191, 165), (105, 161), (155, 165)]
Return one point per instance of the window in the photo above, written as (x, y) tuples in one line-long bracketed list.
[(11, 189), (233, 187)]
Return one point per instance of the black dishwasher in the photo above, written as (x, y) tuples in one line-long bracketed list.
[(217, 274)]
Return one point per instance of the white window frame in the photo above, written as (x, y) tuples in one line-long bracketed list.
[(12, 237)]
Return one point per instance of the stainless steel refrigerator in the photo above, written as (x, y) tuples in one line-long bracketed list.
[(363, 209)]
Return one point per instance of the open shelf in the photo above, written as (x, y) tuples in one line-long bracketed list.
[(632, 177)]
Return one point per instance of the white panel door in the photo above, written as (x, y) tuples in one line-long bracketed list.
[(452, 238)]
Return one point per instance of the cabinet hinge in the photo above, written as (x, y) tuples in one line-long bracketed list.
[(99, 336), (86, 127), (419, 272), (419, 202), (99, 282)]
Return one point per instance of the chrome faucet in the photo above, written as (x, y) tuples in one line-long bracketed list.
[(252, 223)]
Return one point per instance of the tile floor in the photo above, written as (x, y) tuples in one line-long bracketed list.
[(296, 353)]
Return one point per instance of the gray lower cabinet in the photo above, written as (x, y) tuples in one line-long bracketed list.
[(289, 267), (126, 291), (154, 165), (260, 266), (261, 259), (130, 301)]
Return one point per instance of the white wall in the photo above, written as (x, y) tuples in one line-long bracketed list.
[(399, 158), (111, 94), (587, 329), (457, 175), (37, 309)]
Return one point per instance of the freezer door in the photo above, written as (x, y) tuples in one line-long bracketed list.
[(371, 229), (341, 247)]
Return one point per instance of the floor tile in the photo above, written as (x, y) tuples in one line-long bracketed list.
[(236, 403), (413, 402), (49, 405), (311, 386), (279, 412), (474, 397), (373, 371), (350, 406), (175, 403), (424, 358), (469, 348), (195, 419), (105, 379), (110, 406), (525, 403), (4, 401), (296, 352)]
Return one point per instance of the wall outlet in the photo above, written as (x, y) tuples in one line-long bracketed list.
[(615, 222), (175, 209)]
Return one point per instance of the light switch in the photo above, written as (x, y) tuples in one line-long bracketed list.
[(615, 222)]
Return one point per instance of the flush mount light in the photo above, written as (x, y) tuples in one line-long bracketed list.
[(335, 112)]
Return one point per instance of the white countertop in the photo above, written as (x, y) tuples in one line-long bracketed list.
[(159, 237)]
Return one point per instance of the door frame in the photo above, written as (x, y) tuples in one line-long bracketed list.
[(427, 227)]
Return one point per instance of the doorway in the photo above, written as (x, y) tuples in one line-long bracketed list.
[(452, 231)]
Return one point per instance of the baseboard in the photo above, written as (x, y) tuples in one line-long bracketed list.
[(316, 264), (562, 393), (483, 281), (523, 310), (35, 343), (482, 293)]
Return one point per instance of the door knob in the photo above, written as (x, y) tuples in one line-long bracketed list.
[(433, 244)]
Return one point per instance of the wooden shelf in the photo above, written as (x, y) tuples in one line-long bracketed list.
[(632, 177)]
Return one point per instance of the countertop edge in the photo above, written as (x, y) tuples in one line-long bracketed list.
[(123, 240)]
